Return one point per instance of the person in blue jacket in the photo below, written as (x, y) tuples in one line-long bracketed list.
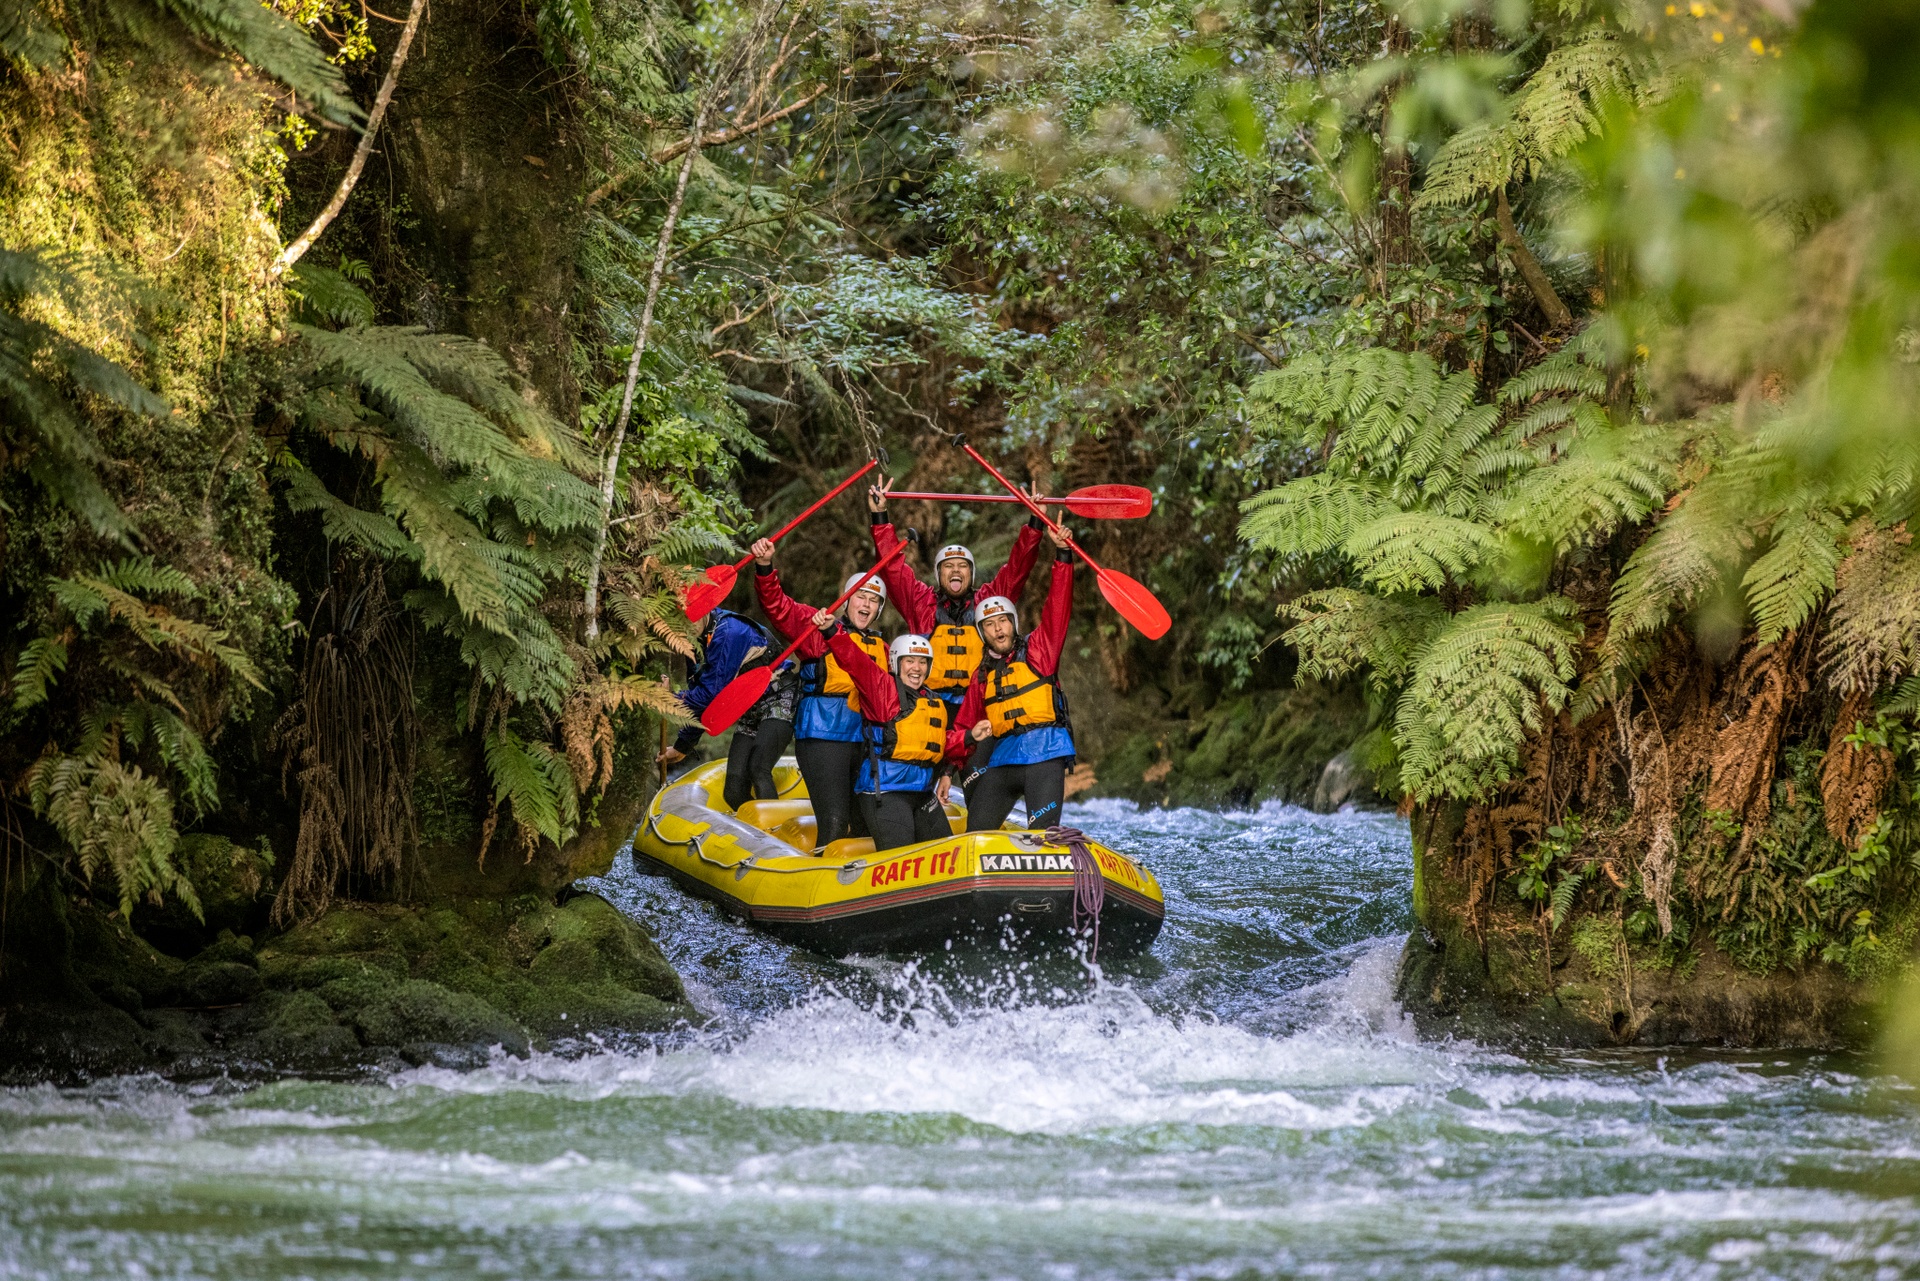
[(731, 644)]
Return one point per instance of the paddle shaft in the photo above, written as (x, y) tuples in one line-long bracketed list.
[(818, 503), (899, 550), (1021, 498), (1077, 503)]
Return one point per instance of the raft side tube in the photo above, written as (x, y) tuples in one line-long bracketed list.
[(974, 889)]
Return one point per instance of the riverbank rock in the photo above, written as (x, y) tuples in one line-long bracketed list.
[(1343, 781), (363, 985), (1481, 966)]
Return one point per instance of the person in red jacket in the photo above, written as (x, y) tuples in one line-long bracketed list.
[(827, 730), (1016, 705), (902, 782), (943, 612)]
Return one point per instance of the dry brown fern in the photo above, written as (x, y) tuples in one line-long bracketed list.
[(1853, 776)]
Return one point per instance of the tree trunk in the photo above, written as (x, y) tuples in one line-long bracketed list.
[(1558, 317)]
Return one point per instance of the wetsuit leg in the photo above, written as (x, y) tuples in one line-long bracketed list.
[(1045, 786), (828, 767), (992, 797), (769, 745), (929, 818), (976, 768), (739, 788), (890, 815), (857, 814)]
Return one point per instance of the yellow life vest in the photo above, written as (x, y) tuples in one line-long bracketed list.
[(957, 650), (836, 681), (919, 732), (1017, 697)]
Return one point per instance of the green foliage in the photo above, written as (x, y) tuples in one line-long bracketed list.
[(1543, 121), (1426, 490), (178, 29), (1537, 883), (477, 494), (46, 380), (1233, 646), (113, 817)]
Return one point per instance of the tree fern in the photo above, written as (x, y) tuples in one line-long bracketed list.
[(1873, 636), (1607, 479), (1795, 575), (1478, 689), (1311, 515), (1553, 112), (1340, 631), (1409, 551)]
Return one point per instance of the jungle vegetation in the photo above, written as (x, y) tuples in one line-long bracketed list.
[(1548, 368)]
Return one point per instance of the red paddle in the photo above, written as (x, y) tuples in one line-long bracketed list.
[(1095, 502), (744, 690), (1131, 599), (703, 597)]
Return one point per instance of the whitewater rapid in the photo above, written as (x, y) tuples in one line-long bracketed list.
[(1246, 1102)]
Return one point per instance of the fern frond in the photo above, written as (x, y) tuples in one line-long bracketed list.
[(1340, 631), (1690, 551), (1310, 515), (1565, 891), (1606, 480), (1795, 575), (525, 780), (689, 544), (1478, 689), (1905, 700), (1873, 637), (329, 295), (1410, 551), (38, 668), (275, 45)]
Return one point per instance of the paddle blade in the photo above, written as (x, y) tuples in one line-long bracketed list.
[(731, 703), (1110, 502), (703, 598), (1134, 603)]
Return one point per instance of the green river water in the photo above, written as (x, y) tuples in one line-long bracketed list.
[(1246, 1102)]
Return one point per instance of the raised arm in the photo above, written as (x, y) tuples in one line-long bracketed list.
[(905, 592), (1012, 578), (791, 618), (1049, 637), (879, 700)]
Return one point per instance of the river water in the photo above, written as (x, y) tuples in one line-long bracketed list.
[(1246, 1102)]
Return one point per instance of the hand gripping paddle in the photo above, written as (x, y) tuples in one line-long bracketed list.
[(1131, 599), (702, 597), (1095, 502), (744, 690)]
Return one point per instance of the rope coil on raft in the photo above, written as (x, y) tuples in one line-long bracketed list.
[(1089, 886)]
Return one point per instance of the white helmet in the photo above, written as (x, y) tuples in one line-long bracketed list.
[(954, 551), (908, 646), (994, 607), (877, 586)]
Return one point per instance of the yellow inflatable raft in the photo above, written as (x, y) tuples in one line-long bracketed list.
[(975, 889)]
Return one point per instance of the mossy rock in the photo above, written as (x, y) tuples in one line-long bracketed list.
[(295, 1029), (557, 969), (235, 888), (404, 1012), (111, 960)]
